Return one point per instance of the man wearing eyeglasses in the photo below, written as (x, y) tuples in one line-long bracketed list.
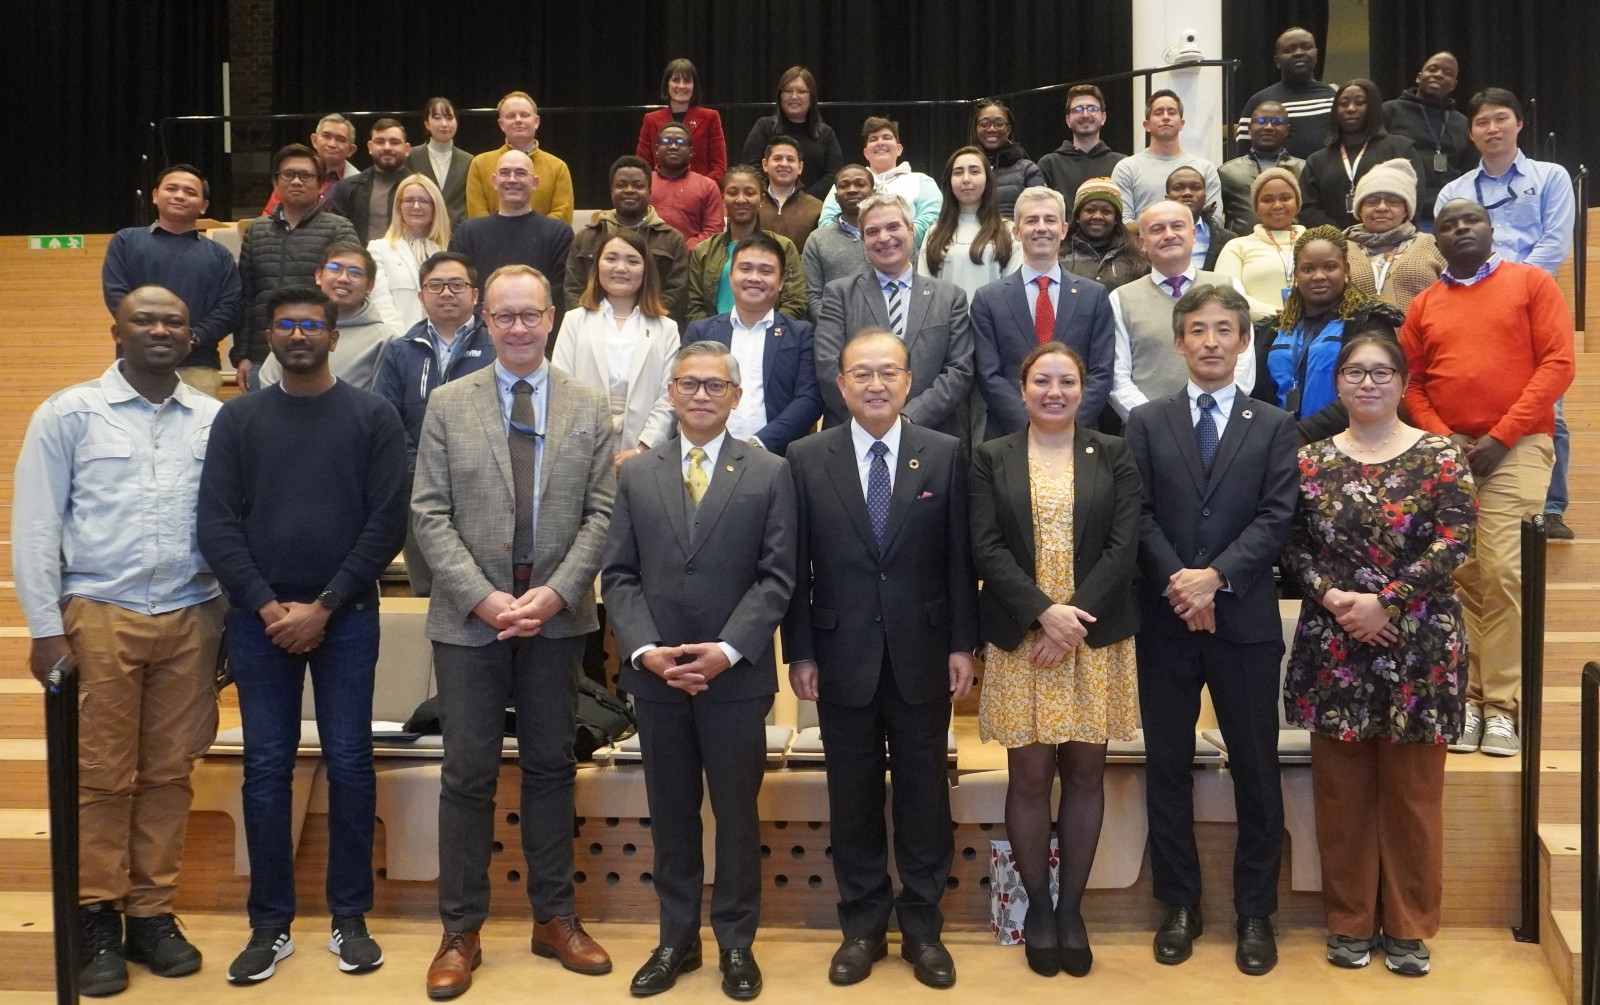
[(1269, 130), (698, 574), (452, 341), (880, 635), (302, 506), (346, 278), (516, 233), (366, 199), (334, 140), (513, 494), (1082, 155), (283, 248), (686, 199)]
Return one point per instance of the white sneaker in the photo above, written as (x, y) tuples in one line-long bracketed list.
[(1471, 733), (1500, 737)]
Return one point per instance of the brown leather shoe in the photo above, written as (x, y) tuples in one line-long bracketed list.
[(450, 973), (564, 939)]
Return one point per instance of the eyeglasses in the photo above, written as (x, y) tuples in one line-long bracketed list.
[(1354, 375), (416, 200), (672, 141), (795, 92), (297, 176), (716, 387), (1085, 109), (1269, 120), (513, 173), (992, 123), (1384, 199), (353, 271), (887, 375), (308, 325), (453, 285), (530, 319)]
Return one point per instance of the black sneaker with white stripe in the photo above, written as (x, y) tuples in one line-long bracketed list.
[(261, 955), (358, 951)]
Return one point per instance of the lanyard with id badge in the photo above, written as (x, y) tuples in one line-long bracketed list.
[(1350, 172)]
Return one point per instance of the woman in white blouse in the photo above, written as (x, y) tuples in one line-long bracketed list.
[(970, 244), (419, 227), (621, 341), (1263, 260)]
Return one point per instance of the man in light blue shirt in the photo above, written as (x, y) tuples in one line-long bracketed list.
[(108, 573), (1532, 208)]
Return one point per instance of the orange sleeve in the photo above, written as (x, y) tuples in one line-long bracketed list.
[(1423, 414), (1550, 327)]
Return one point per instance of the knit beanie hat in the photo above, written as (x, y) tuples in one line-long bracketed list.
[(1396, 177), (1097, 188), (1281, 174)]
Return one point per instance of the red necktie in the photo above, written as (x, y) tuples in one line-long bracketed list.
[(1044, 313)]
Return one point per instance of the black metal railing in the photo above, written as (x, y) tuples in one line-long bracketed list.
[(1589, 818), (1533, 571), (61, 772), (1580, 247)]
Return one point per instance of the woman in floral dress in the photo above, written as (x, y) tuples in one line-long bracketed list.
[(1378, 670), (1055, 527)]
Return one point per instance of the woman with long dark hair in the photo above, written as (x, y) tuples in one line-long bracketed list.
[(798, 116), (1356, 144)]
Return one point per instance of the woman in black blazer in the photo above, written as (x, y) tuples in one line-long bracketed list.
[(1055, 530)]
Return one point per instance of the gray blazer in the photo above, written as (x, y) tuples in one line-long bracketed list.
[(723, 574), (938, 340), (453, 186), (463, 503)]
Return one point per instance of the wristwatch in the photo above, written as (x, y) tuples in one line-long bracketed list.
[(329, 600)]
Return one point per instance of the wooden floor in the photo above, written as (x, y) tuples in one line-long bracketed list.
[(794, 971)]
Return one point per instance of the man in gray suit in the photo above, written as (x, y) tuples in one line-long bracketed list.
[(700, 566), (928, 315), (512, 497)]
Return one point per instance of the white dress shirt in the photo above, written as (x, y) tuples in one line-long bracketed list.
[(1125, 394), (1030, 276), (750, 348), (904, 281), (1219, 414), (862, 441)]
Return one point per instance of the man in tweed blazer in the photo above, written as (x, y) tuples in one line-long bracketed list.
[(508, 629)]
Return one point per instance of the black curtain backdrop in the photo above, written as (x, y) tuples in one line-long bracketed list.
[(1250, 34), (93, 75), (586, 55), (1542, 51)]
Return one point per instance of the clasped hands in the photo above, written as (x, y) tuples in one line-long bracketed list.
[(962, 666), (1362, 616), (1193, 594), (522, 616), (1061, 628), (706, 660), (293, 627)]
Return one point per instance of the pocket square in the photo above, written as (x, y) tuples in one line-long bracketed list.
[(926, 495)]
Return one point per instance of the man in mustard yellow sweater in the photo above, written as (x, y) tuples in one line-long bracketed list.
[(519, 121)]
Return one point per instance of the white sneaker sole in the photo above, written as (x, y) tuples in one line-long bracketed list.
[(352, 968), (286, 951)]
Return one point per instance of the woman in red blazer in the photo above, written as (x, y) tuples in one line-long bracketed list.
[(680, 87)]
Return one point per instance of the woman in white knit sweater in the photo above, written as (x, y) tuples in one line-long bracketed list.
[(970, 244), (1263, 260)]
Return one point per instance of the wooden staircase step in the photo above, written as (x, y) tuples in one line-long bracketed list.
[(1565, 653), (1562, 717), (1561, 939), (14, 645), (1562, 855), (1571, 606), (27, 943), (22, 774), (1574, 561), (25, 850), (21, 708), (1558, 785)]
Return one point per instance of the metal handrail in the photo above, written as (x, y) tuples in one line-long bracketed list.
[(1580, 247), (1589, 817), (1534, 539)]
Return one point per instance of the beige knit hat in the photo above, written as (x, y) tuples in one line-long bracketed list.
[(1097, 188), (1396, 177), (1281, 174)]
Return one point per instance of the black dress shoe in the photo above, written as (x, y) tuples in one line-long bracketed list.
[(1076, 962), (1258, 949), (741, 978), (852, 961), (1175, 938), (1039, 947), (930, 962), (661, 970)]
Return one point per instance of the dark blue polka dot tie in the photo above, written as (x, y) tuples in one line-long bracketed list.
[(1205, 431), (878, 491)]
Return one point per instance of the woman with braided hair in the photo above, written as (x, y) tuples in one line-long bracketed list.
[(1297, 351)]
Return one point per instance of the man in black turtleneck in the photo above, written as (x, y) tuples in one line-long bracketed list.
[(1309, 101), (1269, 131), (1426, 115)]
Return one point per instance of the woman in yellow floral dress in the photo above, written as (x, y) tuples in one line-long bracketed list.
[(1055, 522)]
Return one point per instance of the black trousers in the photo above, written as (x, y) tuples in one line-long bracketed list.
[(1243, 681), (917, 738), (727, 741), (476, 683)]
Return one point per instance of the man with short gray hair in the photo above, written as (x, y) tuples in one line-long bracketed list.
[(334, 140), (929, 315)]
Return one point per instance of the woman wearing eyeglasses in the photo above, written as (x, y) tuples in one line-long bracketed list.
[(1401, 260), (1378, 669), (798, 116), (1010, 169), (1055, 535), (621, 342), (418, 230)]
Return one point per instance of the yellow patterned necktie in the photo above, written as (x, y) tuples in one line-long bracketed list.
[(696, 481)]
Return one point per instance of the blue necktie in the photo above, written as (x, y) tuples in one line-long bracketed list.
[(878, 492), (1205, 431)]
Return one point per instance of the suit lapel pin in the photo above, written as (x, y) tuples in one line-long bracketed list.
[(1247, 414), (1072, 290), (777, 332), (1088, 450), (730, 467), (927, 293), (914, 464)]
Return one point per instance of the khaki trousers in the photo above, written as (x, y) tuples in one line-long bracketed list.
[(1380, 831), (1490, 580), (203, 379), (147, 710)]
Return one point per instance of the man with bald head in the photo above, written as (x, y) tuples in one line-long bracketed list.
[(108, 574), (516, 233), (1427, 116), (519, 122), (1308, 101)]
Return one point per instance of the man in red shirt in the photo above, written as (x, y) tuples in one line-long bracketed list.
[(1490, 349), (686, 199)]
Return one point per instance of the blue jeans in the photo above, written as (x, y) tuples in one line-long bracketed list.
[(1556, 501), (270, 681)]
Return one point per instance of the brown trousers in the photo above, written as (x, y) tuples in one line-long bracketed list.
[(1380, 830), (147, 710)]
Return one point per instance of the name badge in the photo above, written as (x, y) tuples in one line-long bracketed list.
[(1350, 202), (1291, 401), (1439, 161)]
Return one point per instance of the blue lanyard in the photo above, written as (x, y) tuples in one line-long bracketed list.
[(1511, 190)]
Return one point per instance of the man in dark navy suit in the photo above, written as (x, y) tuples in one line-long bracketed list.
[(1220, 482), (781, 399), (880, 635)]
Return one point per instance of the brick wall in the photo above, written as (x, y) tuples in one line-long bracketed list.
[(250, 37)]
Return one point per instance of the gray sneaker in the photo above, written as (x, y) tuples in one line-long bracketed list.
[(1406, 957), (1500, 736), (1471, 733), (1350, 953)]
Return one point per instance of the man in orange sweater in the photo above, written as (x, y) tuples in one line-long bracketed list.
[(1490, 349)]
